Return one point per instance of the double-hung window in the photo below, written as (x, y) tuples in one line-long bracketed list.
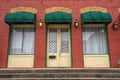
[(22, 41)]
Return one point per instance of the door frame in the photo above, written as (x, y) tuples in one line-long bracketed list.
[(47, 27)]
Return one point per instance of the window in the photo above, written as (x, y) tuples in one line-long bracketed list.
[(53, 40), (22, 41), (64, 41), (94, 40)]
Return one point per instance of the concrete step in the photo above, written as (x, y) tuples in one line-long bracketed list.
[(60, 79), (62, 70), (60, 74)]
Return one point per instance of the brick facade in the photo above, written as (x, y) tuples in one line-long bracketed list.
[(112, 7)]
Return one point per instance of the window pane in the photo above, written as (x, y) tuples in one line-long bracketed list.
[(53, 40), (28, 42), (22, 41), (16, 41), (94, 40), (64, 41)]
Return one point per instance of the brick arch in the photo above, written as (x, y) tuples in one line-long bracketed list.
[(26, 9), (62, 9), (93, 8)]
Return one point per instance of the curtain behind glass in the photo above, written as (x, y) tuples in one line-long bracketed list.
[(53, 40), (16, 41), (28, 42), (64, 41), (94, 40), (22, 41)]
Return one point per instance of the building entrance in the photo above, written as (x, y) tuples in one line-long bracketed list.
[(58, 45)]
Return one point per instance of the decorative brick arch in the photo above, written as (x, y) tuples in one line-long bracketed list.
[(93, 8), (62, 9), (26, 9)]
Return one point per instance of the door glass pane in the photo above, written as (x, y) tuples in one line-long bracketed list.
[(53, 40), (64, 41), (94, 40)]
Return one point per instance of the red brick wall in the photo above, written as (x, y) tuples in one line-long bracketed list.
[(40, 44), (114, 38), (4, 33)]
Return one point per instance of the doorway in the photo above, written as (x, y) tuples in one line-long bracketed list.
[(58, 45)]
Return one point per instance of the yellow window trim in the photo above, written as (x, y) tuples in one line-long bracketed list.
[(93, 25), (22, 25)]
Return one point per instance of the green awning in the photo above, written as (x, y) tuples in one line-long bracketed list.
[(58, 17), (20, 17), (96, 17)]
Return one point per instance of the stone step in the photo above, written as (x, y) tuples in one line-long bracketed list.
[(60, 75), (63, 70), (60, 79)]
